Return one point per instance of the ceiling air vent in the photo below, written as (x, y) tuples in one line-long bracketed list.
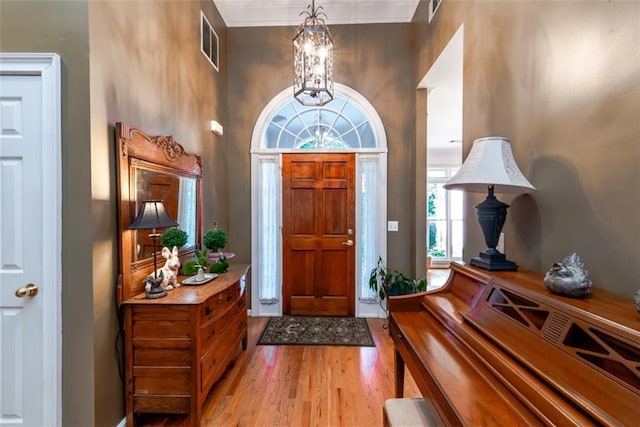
[(434, 5), (209, 45)]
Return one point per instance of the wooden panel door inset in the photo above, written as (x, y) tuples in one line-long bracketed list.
[(318, 210), (158, 187)]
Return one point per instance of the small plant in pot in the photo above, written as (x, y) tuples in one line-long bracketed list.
[(174, 237), (215, 239), (386, 282)]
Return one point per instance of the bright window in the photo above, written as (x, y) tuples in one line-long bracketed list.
[(444, 216), (268, 229), (337, 125)]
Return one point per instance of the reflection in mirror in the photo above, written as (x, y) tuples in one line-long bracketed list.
[(178, 193), (153, 167)]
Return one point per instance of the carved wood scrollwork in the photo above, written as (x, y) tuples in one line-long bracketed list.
[(171, 149)]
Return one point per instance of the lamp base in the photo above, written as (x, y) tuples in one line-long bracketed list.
[(154, 286), (494, 261), (156, 293)]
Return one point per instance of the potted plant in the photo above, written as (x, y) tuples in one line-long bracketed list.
[(437, 253), (385, 282), (215, 239), (174, 237)]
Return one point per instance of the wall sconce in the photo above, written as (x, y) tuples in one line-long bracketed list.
[(216, 128)]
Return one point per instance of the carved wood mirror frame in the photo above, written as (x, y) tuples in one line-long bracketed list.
[(162, 154)]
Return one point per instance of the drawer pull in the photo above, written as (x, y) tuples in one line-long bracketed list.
[(229, 297), (208, 311), (210, 335), (220, 297)]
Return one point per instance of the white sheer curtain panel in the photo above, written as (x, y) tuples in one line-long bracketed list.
[(368, 223), (268, 231), (187, 209)]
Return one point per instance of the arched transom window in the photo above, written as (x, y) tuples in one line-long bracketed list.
[(338, 125)]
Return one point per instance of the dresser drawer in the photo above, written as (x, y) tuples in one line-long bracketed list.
[(149, 356), (160, 322), (215, 360), (217, 304), (162, 404), (211, 331), (158, 381), (160, 312)]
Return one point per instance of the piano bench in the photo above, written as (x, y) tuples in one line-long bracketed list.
[(410, 412)]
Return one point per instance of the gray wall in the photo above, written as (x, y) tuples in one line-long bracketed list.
[(562, 81), (375, 60), (62, 27), (122, 61)]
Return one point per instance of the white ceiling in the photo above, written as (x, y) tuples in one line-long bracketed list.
[(254, 13)]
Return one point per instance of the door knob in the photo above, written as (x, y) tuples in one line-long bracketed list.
[(30, 290), (348, 243)]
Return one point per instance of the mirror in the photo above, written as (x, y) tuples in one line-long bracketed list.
[(178, 193), (153, 168)]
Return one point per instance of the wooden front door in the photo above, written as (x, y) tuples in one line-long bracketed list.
[(157, 186), (318, 210)]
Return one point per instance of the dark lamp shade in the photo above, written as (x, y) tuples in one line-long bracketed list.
[(152, 214)]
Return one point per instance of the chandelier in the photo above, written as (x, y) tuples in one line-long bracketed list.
[(313, 59)]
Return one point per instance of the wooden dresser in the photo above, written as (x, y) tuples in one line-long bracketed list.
[(178, 346)]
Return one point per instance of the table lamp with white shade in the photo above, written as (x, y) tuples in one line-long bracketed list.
[(490, 167)]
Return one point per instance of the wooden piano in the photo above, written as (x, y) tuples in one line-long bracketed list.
[(499, 349)]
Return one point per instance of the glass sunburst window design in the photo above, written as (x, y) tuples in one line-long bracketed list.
[(339, 125)]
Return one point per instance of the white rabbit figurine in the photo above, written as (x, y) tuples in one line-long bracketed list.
[(170, 268)]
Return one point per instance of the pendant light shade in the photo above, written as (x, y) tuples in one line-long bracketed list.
[(313, 59)]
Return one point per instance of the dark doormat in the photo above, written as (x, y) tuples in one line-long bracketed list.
[(309, 330)]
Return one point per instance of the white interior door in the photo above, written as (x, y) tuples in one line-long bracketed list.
[(30, 255)]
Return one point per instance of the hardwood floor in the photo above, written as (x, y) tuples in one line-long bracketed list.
[(303, 385)]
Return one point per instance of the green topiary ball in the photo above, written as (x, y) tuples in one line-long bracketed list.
[(174, 237), (215, 239)]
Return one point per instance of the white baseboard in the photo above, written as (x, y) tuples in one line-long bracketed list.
[(122, 422)]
